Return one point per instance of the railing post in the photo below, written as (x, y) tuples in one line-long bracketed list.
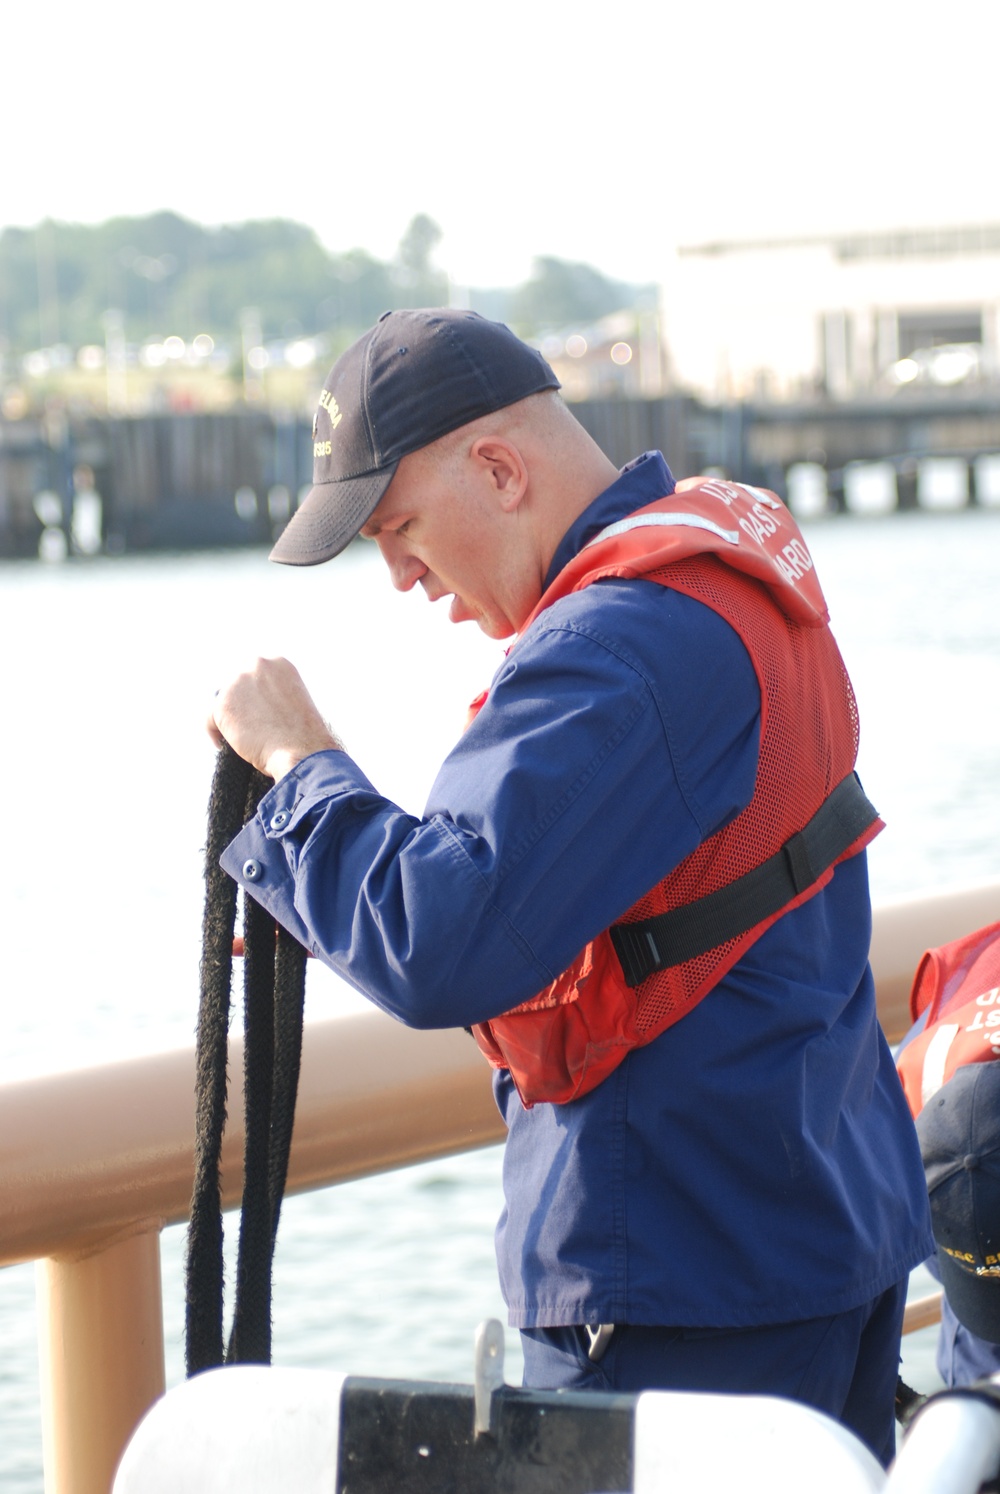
[(100, 1330)]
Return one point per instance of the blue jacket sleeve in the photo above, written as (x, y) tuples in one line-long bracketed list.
[(616, 737)]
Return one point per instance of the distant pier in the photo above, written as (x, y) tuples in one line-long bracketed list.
[(90, 485), (863, 457)]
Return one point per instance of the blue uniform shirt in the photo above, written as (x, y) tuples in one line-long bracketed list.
[(962, 1356), (756, 1163)]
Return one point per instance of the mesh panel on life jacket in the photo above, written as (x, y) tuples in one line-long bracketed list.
[(809, 740)]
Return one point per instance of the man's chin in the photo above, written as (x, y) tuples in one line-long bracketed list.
[(496, 628), (492, 625)]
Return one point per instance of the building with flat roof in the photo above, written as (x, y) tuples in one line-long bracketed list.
[(838, 316)]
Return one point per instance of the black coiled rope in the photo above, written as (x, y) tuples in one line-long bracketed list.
[(274, 987)]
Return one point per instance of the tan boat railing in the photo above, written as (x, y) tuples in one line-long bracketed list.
[(93, 1164)]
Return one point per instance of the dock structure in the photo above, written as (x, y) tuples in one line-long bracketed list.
[(150, 482), (88, 485), (824, 456)]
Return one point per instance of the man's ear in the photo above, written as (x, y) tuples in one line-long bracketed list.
[(504, 469)]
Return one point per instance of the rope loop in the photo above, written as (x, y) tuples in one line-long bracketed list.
[(274, 995)]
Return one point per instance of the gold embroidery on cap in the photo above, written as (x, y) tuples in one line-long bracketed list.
[(331, 407)]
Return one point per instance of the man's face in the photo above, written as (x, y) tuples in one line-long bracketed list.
[(442, 523)]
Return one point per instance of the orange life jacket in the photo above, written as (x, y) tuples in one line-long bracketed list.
[(738, 550), (958, 986)]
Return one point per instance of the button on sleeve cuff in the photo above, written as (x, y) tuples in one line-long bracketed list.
[(264, 855)]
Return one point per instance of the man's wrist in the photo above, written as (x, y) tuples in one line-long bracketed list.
[(281, 762)]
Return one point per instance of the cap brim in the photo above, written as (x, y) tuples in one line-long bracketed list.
[(975, 1300), (329, 517)]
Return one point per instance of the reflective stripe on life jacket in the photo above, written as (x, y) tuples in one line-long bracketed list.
[(738, 550), (958, 986)]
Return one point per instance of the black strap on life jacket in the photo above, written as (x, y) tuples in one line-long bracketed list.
[(274, 989), (653, 944)]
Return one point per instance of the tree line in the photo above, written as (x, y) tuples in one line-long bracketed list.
[(163, 274)]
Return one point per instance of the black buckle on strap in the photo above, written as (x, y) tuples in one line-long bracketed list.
[(653, 944)]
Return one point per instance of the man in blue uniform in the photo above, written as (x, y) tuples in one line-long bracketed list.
[(959, 1131), (736, 1204), (948, 1065)]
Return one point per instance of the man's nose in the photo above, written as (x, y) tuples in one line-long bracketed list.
[(405, 570)]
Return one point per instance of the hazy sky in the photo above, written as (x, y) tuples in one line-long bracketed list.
[(595, 132)]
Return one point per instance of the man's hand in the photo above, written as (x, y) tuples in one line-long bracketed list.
[(269, 718)]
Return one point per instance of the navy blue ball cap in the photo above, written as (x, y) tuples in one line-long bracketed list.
[(959, 1131), (413, 378)]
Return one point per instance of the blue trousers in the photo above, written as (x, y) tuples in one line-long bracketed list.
[(846, 1365)]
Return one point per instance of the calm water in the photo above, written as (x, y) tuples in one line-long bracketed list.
[(108, 668)]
